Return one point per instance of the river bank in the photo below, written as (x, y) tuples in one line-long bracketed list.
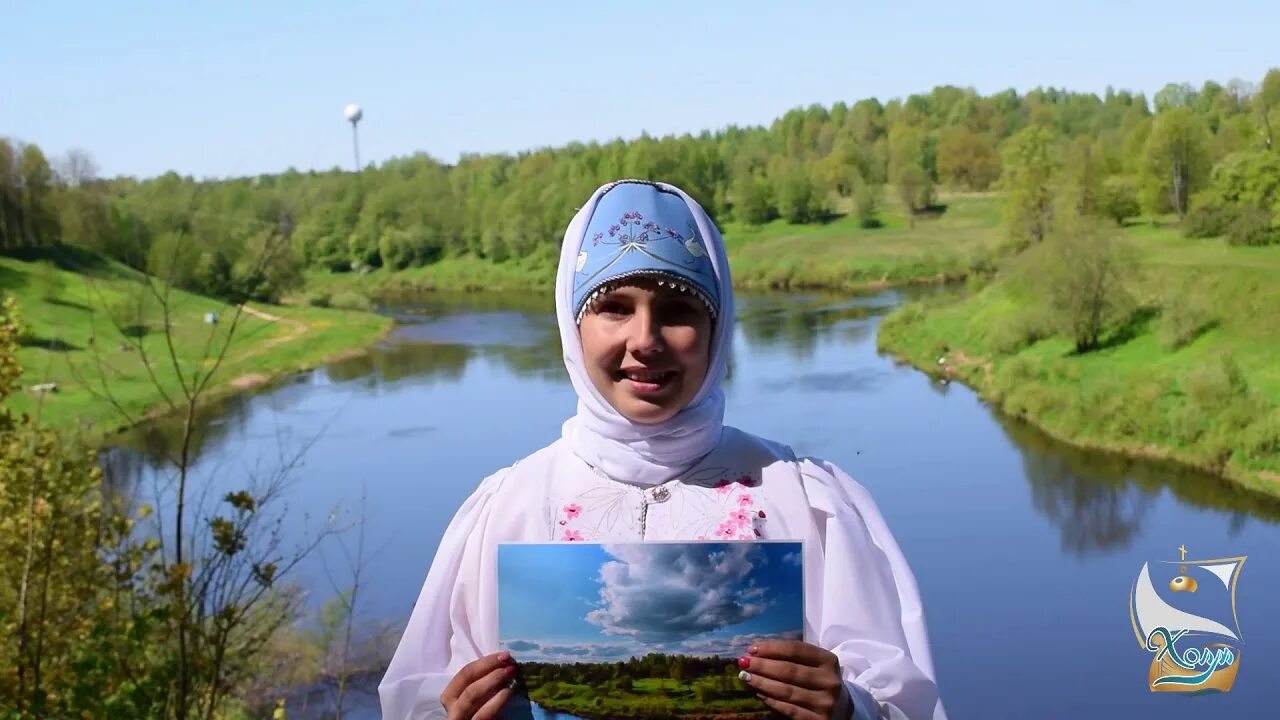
[(838, 255), (96, 357), (1192, 378), (472, 383)]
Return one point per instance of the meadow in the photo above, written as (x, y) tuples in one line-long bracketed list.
[(666, 687), (94, 329), (1190, 376)]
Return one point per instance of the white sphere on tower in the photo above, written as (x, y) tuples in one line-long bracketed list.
[(353, 113)]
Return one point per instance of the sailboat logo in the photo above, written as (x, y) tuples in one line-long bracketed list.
[(1184, 613)]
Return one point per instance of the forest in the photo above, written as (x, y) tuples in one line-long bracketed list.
[(1205, 155), (655, 685)]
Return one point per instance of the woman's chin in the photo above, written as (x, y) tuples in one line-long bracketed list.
[(646, 411)]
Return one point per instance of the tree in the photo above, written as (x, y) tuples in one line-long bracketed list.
[(968, 159), (10, 197), (798, 200), (1177, 160), (36, 179), (751, 201), (1085, 278), (1119, 199), (867, 198), (1029, 169), (54, 523), (1267, 107), (1175, 95), (1080, 181), (77, 168), (907, 169)]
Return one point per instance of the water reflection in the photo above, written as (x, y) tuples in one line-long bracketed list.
[(1099, 501), (392, 361), (799, 322)]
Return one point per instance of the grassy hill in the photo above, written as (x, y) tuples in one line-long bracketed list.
[(839, 254), (1193, 377), (84, 314)]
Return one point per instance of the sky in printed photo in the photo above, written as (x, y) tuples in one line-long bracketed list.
[(582, 602)]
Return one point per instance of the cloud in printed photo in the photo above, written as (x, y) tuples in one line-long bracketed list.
[(725, 647), (584, 602), (671, 592)]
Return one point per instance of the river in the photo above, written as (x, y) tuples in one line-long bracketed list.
[(1025, 549)]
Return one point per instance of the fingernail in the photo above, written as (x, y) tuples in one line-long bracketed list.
[(753, 650), (511, 669), (744, 662), (504, 657), (744, 676)]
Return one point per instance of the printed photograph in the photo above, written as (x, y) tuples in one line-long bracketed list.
[(645, 630)]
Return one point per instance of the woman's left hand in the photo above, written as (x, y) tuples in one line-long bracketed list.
[(796, 679)]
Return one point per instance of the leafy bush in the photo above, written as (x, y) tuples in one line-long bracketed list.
[(1184, 316), (317, 299), (867, 199), (1252, 226), (350, 300), (1262, 439), (1210, 220), (1023, 329), (1119, 199)]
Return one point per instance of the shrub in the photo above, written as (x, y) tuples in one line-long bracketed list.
[(867, 199), (1252, 226), (350, 300), (1184, 316), (1119, 199), (1213, 387), (1023, 329), (1262, 439), (1208, 221), (319, 299)]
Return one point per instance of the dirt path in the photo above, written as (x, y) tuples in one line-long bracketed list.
[(296, 327)]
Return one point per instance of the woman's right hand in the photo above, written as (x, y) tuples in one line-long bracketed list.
[(480, 688)]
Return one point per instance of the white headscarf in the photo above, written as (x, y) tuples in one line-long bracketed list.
[(624, 450)]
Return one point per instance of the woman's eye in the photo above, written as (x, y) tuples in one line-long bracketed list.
[(681, 311), (611, 307)]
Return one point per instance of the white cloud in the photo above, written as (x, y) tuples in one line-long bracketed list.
[(659, 593), (724, 647)]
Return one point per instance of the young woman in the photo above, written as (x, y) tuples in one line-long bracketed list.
[(645, 306)]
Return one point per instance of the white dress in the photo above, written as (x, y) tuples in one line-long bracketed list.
[(861, 600)]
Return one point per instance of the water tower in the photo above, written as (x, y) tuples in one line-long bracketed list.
[(353, 113)]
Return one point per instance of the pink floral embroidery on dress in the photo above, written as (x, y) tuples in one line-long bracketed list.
[(740, 518), (572, 510), (744, 499), (572, 536)]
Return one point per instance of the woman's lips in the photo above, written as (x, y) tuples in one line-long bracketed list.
[(647, 382)]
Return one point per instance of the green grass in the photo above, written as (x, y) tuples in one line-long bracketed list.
[(1141, 394), (67, 300), (649, 697), (838, 255), (843, 255)]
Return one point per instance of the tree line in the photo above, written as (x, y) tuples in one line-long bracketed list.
[(1206, 154)]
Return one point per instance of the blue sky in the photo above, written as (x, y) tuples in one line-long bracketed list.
[(605, 602), (218, 89)]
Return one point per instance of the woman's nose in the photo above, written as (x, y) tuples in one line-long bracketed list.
[(646, 334)]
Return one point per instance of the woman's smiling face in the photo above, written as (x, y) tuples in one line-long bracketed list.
[(646, 348)]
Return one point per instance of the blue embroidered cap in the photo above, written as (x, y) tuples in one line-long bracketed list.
[(639, 230)]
